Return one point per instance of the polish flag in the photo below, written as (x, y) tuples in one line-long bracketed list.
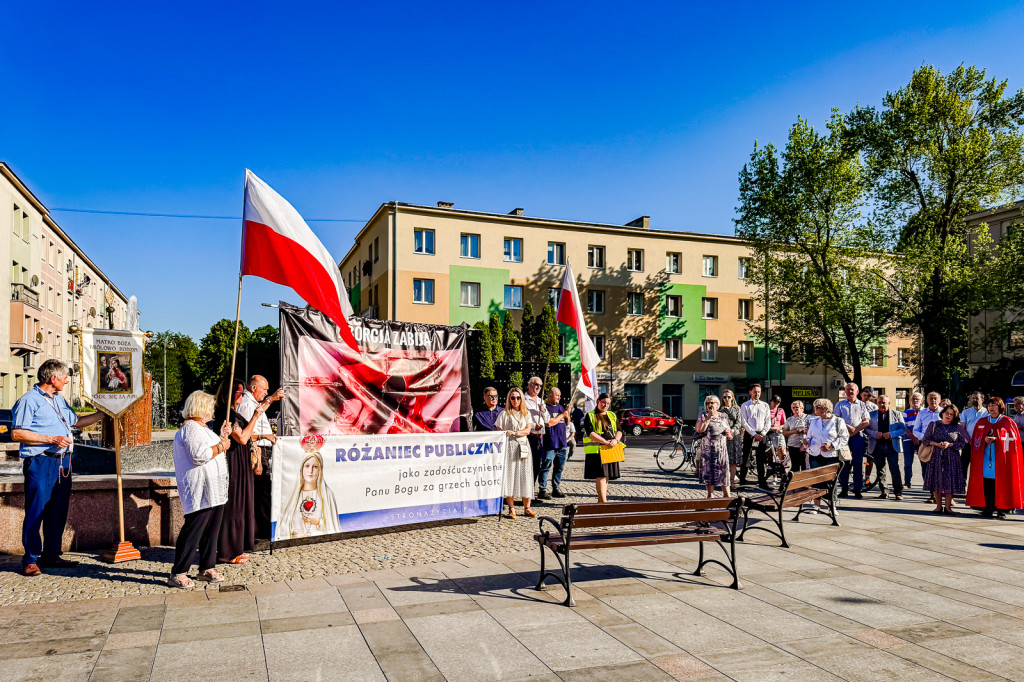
[(570, 313), (278, 245)]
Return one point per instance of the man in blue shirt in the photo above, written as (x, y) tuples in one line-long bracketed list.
[(42, 424)]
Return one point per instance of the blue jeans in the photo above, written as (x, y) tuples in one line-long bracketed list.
[(47, 496), (857, 446), (556, 458), (909, 450)]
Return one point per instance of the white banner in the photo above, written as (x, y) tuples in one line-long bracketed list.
[(112, 368), (336, 484)]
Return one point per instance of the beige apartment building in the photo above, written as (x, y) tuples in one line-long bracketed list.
[(53, 286), (668, 311)]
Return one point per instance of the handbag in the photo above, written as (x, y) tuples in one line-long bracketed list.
[(613, 453), (924, 453)]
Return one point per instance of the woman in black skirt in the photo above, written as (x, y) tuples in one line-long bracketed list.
[(600, 427)]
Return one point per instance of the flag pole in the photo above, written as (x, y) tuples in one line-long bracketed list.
[(234, 352)]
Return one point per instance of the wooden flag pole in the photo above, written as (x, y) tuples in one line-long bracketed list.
[(234, 354), (124, 551)]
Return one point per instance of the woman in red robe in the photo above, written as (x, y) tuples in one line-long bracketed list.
[(996, 484)]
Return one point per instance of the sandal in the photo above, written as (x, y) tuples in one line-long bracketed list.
[(529, 512), (182, 581), (511, 514), (240, 559), (210, 576)]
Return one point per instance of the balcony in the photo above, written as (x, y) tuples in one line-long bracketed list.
[(20, 293)]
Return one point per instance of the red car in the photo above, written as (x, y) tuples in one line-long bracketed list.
[(639, 420)]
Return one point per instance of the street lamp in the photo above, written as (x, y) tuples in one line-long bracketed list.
[(166, 346)]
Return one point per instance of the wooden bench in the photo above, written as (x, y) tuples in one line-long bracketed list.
[(687, 521), (796, 489)]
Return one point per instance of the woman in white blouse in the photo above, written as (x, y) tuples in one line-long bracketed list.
[(202, 475), (826, 435)]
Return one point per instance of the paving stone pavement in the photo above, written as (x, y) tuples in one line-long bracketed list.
[(894, 593)]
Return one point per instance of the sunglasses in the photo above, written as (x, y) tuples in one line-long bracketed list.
[(493, 395), (515, 397)]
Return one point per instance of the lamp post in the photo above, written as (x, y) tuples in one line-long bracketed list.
[(166, 346)]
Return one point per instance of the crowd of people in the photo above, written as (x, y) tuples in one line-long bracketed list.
[(974, 455)]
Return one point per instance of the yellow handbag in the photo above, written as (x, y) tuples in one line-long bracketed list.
[(613, 453)]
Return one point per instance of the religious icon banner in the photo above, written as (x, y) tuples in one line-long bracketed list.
[(112, 368), (323, 485), (407, 378)]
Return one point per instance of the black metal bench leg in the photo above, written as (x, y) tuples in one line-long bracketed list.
[(782, 530), (543, 573), (832, 504), (744, 530), (731, 554), (700, 560), (569, 601)]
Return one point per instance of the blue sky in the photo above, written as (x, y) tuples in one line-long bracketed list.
[(584, 111)]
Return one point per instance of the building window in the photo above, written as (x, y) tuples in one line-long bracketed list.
[(709, 350), (671, 349), (903, 358), (513, 297), (877, 356), (469, 293), (469, 246), (673, 263), (902, 398), (598, 345), (634, 303), (746, 309), (423, 291), (604, 387), (595, 257), (595, 301), (746, 351), (554, 296), (1016, 339), (635, 344), (513, 250), (711, 266), (635, 260), (709, 308), (785, 353), (806, 353), (673, 306), (562, 346), (743, 268), (636, 396), (376, 250), (556, 253), (423, 241)]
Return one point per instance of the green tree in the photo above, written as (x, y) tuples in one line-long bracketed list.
[(481, 357), (529, 334), (181, 354), (497, 342), (214, 360), (264, 354), (511, 348), (812, 254), (940, 148), (546, 330)]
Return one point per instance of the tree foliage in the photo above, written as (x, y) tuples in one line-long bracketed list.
[(940, 148), (497, 342), (214, 360), (813, 255), (481, 357), (512, 350), (181, 356), (529, 334)]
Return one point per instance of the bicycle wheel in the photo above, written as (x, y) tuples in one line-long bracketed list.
[(690, 460), (670, 456)]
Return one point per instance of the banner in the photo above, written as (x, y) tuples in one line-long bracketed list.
[(336, 484), (112, 368), (408, 378)]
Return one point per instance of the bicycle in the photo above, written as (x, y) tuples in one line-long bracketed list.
[(680, 452)]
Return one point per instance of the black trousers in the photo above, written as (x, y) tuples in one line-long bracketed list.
[(989, 485), (201, 531), (797, 458), (536, 454), (885, 454), (261, 495), (760, 453)]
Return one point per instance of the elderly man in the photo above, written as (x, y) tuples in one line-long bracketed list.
[(483, 420), (909, 444), (854, 412), (885, 443), (255, 392), (42, 425)]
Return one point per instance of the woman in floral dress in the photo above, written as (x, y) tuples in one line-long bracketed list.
[(944, 476), (735, 446), (714, 447)]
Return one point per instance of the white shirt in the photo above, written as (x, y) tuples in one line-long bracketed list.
[(202, 478), (538, 413), (247, 408), (821, 431), (970, 417), (925, 417), (755, 417)]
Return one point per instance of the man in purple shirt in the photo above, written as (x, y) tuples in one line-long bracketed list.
[(554, 446), (484, 420)]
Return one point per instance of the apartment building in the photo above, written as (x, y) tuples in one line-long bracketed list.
[(53, 285), (668, 311)]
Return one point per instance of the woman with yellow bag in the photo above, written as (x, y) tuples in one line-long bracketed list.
[(602, 443)]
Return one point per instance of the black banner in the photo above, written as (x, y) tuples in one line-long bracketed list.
[(409, 378)]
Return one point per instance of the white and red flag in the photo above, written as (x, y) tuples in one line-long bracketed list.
[(570, 313), (278, 245)]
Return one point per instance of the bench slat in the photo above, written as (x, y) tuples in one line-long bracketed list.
[(631, 542), (802, 479), (648, 505), (641, 519)]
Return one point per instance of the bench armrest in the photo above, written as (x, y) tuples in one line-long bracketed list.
[(775, 495), (547, 533)]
